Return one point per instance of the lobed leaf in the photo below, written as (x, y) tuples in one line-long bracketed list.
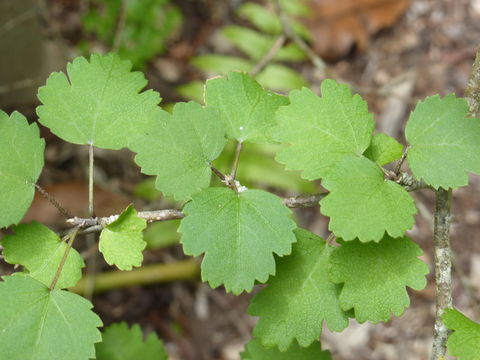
[(247, 110), (121, 242), (20, 166), (362, 204), (299, 298), (238, 232), (464, 342), (321, 131), (123, 343), (40, 324), (97, 102), (374, 276), (40, 251), (178, 148), (254, 350), (444, 143)]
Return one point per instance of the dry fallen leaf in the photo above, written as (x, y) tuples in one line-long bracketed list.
[(338, 25)]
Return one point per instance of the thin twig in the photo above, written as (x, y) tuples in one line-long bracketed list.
[(400, 162), (316, 60), (277, 45), (92, 261), (443, 265), (409, 183), (71, 237), (52, 201), (228, 180), (150, 216), (238, 150), (303, 201), (330, 239), (90, 180), (119, 26)]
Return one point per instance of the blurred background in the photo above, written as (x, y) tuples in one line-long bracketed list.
[(392, 52)]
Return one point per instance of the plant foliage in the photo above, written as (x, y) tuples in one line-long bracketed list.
[(119, 342), (245, 235)]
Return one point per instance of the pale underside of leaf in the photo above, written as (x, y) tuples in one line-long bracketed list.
[(121, 242)]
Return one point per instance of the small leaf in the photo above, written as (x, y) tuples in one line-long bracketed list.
[(362, 204), (464, 342), (221, 64), (40, 250), (384, 149), (247, 110), (374, 276), (121, 242), (98, 103), (20, 166), (121, 343), (280, 78), (254, 350), (299, 298), (192, 91), (36, 323), (321, 131), (444, 144), (238, 234), (264, 20), (178, 148)]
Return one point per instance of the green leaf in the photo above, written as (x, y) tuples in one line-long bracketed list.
[(256, 45), (384, 149), (121, 343), (238, 234), (374, 276), (20, 166), (161, 234), (299, 297), (269, 22), (362, 204), (178, 148), (254, 350), (247, 110), (280, 78), (192, 91), (40, 324), (121, 242), (464, 342), (444, 144), (221, 64), (262, 18), (40, 251), (98, 103), (146, 190), (321, 131)]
